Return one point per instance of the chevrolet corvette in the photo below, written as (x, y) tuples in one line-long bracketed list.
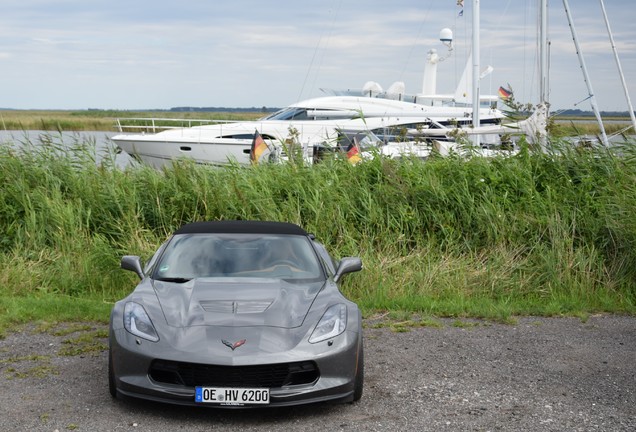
[(237, 314)]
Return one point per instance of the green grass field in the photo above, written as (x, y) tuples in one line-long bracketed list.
[(540, 234)]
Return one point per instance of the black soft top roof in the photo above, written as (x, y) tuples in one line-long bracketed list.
[(241, 226)]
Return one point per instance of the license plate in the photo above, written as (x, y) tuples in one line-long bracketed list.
[(232, 396)]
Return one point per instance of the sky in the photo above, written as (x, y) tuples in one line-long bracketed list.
[(157, 54)]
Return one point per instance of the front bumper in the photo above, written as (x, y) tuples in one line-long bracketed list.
[(335, 359)]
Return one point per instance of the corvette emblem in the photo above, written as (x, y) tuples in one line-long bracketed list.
[(234, 345)]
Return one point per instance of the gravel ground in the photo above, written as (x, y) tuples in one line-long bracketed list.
[(540, 374)]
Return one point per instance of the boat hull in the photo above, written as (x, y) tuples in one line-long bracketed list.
[(158, 153)]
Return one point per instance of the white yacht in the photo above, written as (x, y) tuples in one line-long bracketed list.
[(314, 124)]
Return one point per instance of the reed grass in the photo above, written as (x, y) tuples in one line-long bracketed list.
[(100, 120), (537, 233), (571, 128)]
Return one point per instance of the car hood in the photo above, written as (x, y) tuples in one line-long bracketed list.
[(236, 302)]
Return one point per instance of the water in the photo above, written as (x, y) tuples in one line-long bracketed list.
[(103, 146)]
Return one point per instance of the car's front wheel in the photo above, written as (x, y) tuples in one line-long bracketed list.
[(112, 387), (359, 383)]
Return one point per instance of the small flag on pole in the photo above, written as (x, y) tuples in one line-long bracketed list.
[(504, 93), (353, 152), (258, 148)]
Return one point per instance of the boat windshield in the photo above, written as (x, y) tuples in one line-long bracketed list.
[(290, 113), (297, 113)]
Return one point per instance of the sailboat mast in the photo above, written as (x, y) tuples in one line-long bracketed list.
[(543, 53), (620, 69), (585, 74), (476, 73)]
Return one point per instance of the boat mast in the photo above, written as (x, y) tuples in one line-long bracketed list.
[(585, 74), (476, 55), (543, 53), (542, 109), (618, 64)]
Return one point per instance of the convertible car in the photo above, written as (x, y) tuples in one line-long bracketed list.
[(237, 314)]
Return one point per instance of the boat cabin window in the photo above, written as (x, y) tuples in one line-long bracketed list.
[(366, 140), (297, 113), (291, 113)]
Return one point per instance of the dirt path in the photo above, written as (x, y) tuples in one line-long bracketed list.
[(539, 374)]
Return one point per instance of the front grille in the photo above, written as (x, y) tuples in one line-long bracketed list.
[(265, 376)]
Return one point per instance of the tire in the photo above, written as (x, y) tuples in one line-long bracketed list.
[(359, 383), (112, 386)]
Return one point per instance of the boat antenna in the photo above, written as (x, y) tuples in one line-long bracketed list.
[(429, 82)]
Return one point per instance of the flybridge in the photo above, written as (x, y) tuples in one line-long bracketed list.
[(420, 99)]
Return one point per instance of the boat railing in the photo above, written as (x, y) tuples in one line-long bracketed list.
[(154, 125)]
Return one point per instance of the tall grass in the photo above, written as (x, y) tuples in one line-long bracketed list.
[(101, 120), (530, 234), (571, 128)]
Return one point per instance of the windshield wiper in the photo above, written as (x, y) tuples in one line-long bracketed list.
[(174, 279)]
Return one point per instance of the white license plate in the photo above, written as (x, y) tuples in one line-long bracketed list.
[(232, 396)]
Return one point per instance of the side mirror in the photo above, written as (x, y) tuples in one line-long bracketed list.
[(347, 265), (132, 263)]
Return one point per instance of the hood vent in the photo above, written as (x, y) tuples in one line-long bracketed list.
[(235, 307)]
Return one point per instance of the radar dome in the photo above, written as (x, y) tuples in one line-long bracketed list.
[(446, 35)]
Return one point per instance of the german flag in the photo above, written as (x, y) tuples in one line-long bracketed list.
[(504, 93), (258, 148), (353, 152)]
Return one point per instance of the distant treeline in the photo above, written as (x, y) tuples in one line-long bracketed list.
[(579, 113)]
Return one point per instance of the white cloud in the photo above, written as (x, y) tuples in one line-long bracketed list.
[(122, 54)]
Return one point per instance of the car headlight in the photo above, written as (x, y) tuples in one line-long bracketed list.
[(332, 323), (137, 322)]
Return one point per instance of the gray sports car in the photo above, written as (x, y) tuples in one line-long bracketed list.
[(237, 314)]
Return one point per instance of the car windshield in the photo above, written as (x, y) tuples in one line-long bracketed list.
[(189, 256)]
